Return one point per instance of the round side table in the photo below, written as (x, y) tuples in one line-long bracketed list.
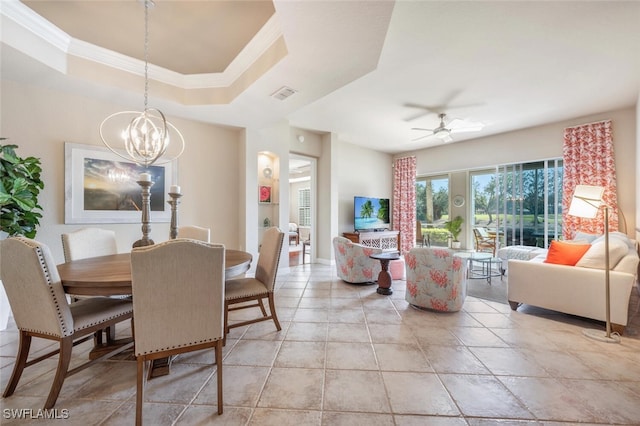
[(384, 277)]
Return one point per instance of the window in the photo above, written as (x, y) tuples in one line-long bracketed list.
[(432, 207), (304, 207)]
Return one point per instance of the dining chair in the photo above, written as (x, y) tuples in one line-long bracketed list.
[(261, 286), (40, 309), (304, 235), (178, 303), (88, 242), (195, 232), (484, 241)]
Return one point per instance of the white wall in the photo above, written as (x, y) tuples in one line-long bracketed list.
[(40, 120), (362, 172)]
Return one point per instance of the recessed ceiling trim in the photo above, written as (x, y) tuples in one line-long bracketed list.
[(269, 34), (32, 22)]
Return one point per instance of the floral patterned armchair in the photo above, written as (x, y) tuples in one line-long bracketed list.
[(436, 279), (353, 263)]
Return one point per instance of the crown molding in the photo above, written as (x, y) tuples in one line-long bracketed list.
[(57, 39)]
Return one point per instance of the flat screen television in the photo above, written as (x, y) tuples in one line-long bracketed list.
[(371, 214)]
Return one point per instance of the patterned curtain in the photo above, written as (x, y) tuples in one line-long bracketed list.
[(404, 201), (588, 160)]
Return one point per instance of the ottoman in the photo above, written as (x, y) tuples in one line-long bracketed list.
[(396, 268), (518, 252)]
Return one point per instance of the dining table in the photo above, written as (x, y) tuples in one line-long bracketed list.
[(111, 276)]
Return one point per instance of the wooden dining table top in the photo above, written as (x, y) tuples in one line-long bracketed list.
[(111, 275)]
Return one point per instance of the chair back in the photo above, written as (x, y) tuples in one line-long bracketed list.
[(269, 257), (305, 233), (195, 233), (178, 294), (88, 242), (353, 263), (436, 278), (481, 232), (34, 289)]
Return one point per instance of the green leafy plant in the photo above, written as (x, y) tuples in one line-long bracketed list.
[(454, 226), (20, 185)]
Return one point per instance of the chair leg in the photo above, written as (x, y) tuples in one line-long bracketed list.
[(21, 361), (218, 350), (264, 311), (272, 308), (64, 358), (139, 390), (226, 323), (111, 333), (97, 338)]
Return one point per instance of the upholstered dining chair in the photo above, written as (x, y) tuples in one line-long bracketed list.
[(484, 241), (40, 309), (259, 287), (178, 302), (88, 242), (195, 233)]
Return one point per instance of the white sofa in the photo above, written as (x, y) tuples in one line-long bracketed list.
[(580, 289)]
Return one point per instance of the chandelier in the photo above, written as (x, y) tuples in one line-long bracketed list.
[(144, 136)]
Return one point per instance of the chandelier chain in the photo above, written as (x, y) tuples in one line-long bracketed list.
[(146, 54), (146, 135)]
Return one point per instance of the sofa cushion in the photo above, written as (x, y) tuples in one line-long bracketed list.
[(585, 236), (595, 256), (564, 253)]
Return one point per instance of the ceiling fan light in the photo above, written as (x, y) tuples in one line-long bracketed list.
[(442, 133)]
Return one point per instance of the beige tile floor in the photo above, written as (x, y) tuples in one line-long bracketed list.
[(348, 356)]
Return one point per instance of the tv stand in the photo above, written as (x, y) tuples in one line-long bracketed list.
[(386, 240)]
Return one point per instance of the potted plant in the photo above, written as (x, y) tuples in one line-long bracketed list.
[(454, 227), (20, 185)]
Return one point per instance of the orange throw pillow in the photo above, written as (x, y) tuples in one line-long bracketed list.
[(562, 253)]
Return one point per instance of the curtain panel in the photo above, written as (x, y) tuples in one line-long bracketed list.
[(404, 201), (588, 160)]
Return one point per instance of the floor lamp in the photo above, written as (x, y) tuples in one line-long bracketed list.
[(586, 202)]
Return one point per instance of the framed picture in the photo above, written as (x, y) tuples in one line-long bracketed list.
[(264, 194), (101, 187)]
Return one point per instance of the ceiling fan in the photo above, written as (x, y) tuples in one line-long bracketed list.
[(444, 130)]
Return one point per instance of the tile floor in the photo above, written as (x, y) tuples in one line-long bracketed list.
[(348, 356)]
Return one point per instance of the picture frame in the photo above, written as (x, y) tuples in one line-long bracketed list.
[(101, 187), (264, 194)]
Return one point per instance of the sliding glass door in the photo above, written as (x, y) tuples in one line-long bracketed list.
[(523, 202)]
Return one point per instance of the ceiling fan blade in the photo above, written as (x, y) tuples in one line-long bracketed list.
[(466, 129), (421, 138), (458, 125), (434, 109), (447, 139), (420, 128), (426, 110)]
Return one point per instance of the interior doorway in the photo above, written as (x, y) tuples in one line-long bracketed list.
[(302, 201)]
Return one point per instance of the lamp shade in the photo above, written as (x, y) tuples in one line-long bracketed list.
[(586, 201)]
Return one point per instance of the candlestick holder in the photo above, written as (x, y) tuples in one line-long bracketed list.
[(173, 202), (146, 213)]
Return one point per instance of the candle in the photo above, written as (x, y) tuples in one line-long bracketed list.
[(145, 177), (175, 189)]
